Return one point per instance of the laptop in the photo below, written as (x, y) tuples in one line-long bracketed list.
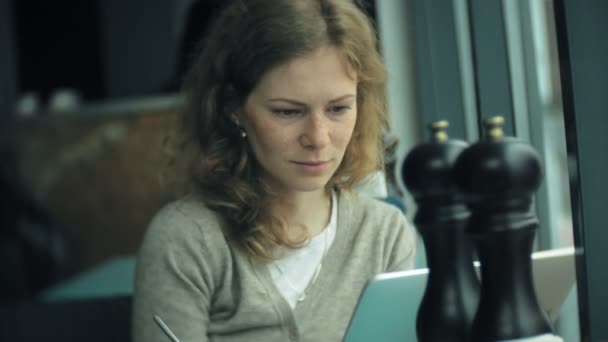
[(388, 304)]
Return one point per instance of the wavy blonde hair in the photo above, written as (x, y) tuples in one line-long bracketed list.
[(246, 40)]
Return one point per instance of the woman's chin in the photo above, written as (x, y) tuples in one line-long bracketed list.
[(310, 186)]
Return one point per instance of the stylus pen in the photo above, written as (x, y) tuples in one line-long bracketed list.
[(165, 329)]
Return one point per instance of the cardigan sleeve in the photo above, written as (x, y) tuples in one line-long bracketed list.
[(174, 279)]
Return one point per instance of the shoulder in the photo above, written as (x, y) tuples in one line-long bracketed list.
[(184, 224), (380, 228), (374, 219), (186, 216), (364, 208)]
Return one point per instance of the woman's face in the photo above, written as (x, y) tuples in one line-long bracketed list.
[(300, 118)]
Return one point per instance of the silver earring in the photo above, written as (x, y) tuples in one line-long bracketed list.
[(235, 119)]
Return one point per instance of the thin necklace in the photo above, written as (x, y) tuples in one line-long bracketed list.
[(302, 292)]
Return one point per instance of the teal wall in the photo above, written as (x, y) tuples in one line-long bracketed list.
[(583, 44)]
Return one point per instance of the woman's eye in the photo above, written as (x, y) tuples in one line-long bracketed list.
[(338, 109), (286, 112)]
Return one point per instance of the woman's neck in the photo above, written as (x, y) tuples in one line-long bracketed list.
[(309, 209)]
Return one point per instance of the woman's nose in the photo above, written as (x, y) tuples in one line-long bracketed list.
[(316, 131)]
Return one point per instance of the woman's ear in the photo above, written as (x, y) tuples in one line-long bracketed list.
[(239, 125), (235, 118)]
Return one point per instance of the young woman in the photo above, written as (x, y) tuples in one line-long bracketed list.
[(285, 109)]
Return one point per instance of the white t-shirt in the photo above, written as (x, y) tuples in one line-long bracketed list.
[(298, 268)]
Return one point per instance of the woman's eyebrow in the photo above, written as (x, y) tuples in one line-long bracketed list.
[(298, 103), (282, 99), (341, 98)]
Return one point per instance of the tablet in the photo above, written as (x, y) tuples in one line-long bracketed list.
[(388, 304)]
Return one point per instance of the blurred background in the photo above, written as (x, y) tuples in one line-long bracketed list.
[(88, 89)]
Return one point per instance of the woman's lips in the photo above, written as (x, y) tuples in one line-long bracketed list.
[(315, 167)]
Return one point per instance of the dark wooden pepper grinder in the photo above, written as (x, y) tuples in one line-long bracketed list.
[(499, 176), (452, 291)]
